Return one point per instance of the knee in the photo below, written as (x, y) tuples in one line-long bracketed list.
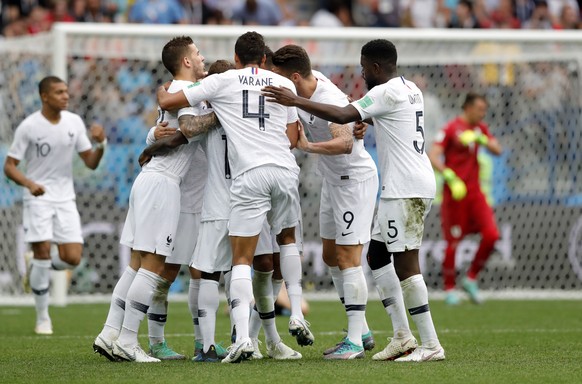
[(378, 255), (287, 236), (263, 263)]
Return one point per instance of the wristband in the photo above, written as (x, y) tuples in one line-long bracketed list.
[(102, 144)]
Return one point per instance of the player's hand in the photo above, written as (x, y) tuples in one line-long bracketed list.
[(456, 185), (162, 130), (302, 142), (280, 95), (167, 84), (143, 159), (35, 189), (360, 129), (97, 132), (469, 136)]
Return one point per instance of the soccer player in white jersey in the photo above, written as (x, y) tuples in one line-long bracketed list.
[(46, 141), (264, 172), (395, 106), (152, 218), (348, 196)]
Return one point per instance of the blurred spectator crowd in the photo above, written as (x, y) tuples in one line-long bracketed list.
[(22, 17)]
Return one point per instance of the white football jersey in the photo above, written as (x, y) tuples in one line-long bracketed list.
[(216, 204), (396, 108), (337, 169), (255, 129), (177, 162), (48, 149)]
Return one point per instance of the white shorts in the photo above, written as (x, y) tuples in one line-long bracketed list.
[(346, 211), (154, 210), (400, 223), (266, 191), (267, 244), (56, 222), (213, 253), (186, 237)]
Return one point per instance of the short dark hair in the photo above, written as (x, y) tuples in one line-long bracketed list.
[(45, 84), (220, 66), (383, 52), (250, 48), (472, 97), (292, 58), (268, 58), (174, 51)]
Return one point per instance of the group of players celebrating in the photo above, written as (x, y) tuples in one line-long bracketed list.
[(218, 191)]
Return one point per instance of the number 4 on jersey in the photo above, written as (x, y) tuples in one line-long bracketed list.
[(261, 115)]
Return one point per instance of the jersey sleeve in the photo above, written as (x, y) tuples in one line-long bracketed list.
[(201, 90), (151, 137), (292, 115), (443, 136), (83, 143), (374, 103), (19, 144)]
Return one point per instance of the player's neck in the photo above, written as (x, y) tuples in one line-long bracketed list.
[(307, 87), (52, 115), (185, 77)]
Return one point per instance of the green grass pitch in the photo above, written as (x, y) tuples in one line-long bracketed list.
[(498, 342)]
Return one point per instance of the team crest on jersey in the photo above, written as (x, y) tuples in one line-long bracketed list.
[(365, 102)]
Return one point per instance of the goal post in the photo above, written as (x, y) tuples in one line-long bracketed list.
[(531, 79)]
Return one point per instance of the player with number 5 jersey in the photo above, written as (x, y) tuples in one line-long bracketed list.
[(396, 108)]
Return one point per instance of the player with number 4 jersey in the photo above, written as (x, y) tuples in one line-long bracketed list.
[(265, 174)]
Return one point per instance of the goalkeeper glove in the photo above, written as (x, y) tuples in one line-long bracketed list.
[(469, 136), (456, 185)]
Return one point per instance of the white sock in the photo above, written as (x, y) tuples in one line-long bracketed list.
[(227, 276), (40, 277), (291, 271), (356, 297), (416, 300), (207, 307), (277, 283), (390, 292), (117, 307), (158, 312), (241, 294), (263, 292), (139, 299), (255, 323), (193, 296), (57, 263)]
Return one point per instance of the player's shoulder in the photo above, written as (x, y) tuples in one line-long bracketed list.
[(30, 120), (72, 118)]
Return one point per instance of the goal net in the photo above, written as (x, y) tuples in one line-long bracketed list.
[(531, 80)]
